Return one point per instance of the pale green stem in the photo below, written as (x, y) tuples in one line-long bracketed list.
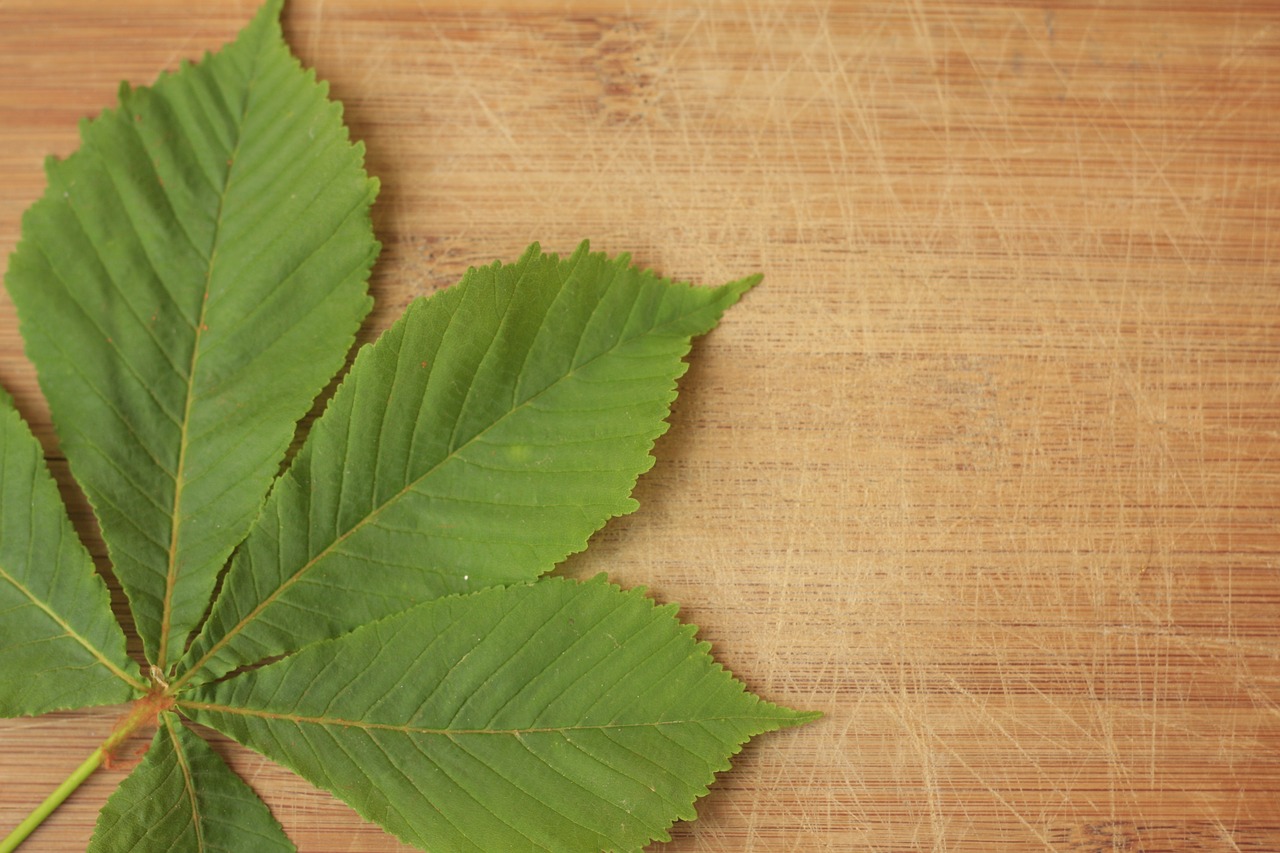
[(142, 712), (42, 811)]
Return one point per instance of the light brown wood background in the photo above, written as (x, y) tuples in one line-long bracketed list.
[(988, 470)]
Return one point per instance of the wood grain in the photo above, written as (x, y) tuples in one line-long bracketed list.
[(987, 470)]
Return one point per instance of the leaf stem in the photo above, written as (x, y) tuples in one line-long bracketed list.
[(142, 712), (51, 802)]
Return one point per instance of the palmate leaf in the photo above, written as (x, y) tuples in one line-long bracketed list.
[(187, 285), (60, 645), (182, 797), (191, 279), (482, 439), (551, 716)]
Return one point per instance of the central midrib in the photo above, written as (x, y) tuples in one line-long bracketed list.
[(188, 783), (171, 572), (342, 722)]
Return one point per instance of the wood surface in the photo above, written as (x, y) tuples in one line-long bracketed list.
[(987, 470)]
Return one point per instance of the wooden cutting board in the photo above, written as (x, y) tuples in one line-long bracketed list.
[(987, 470)]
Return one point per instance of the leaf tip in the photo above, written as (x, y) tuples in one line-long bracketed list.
[(272, 9), (735, 290), (802, 718), (751, 281)]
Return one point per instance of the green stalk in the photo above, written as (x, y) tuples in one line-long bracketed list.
[(142, 712), (42, 811)]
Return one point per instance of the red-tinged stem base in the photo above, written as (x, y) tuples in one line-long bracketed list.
[(142, 712)]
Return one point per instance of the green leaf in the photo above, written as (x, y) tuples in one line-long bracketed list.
[(482, 439), (193, 276), (183, 797), (550, 716), (60, 645), (190, 281)]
